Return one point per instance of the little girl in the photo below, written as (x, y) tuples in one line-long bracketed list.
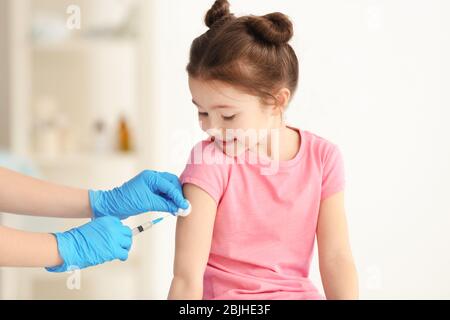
[(260, 190)]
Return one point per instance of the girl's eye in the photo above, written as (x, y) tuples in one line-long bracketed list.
[(203, 114), (228, 118)]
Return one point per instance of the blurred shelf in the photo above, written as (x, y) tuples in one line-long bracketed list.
[(84, 159), (82, 45), (88, 170)]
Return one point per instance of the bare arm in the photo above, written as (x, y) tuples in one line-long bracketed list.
[(28, 249), (193, 243), (25, 195), (337, 269)]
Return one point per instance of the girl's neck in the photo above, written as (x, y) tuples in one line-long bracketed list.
[(285, 147)]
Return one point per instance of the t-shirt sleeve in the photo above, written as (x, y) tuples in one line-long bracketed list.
[(207, 169), (333, 174)]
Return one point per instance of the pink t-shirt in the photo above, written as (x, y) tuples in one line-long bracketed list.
[(265, 224)]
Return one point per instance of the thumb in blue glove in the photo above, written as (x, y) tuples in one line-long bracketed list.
[(101, 240), (148, 191)]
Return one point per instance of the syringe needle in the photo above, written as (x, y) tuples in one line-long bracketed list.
[(146, 226)]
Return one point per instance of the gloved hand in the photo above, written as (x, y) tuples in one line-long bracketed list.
[(148, 191), (101, 240)]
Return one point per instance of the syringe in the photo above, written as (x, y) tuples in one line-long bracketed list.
[(148, 225)]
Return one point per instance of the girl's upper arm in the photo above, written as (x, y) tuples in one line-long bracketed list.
[(332, 232), (194, 234)]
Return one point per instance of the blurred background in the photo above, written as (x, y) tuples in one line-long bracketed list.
[(93, 91)]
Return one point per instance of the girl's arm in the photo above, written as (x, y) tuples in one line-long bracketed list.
[(193, 243), (337, 269), (25, 195), (28, 249)]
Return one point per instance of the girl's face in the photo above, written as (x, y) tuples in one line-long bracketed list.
[(234, 119)]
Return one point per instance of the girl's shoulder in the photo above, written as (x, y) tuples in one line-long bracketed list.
[(318, 146), (317, 141), (327, 156), (207, 168)]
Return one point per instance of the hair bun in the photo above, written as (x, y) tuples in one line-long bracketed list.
[(274, 28), (218, 12)]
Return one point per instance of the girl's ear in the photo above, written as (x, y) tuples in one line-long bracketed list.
[(282, 100), (283, 96)]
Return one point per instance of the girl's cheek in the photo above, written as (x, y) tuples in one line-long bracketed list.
[(242, 123), (204, 124)]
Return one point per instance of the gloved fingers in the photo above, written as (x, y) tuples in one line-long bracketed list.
[(110, 219), (126, 238), (122, 254), (126, 231), (126, 242), (172, 179), (168, 189), (164, 205)]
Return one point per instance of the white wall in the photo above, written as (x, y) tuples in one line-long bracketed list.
[(373, 75)]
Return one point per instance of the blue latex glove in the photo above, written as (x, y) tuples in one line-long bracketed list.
[(148, 191), (101, 240)]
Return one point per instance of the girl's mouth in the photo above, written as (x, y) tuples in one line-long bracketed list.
[(228, 146), (220, 141)]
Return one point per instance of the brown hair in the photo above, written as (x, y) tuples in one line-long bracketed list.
[(251, 52)]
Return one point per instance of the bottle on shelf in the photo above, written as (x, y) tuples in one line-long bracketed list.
[(101, 138), (124, 136)]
